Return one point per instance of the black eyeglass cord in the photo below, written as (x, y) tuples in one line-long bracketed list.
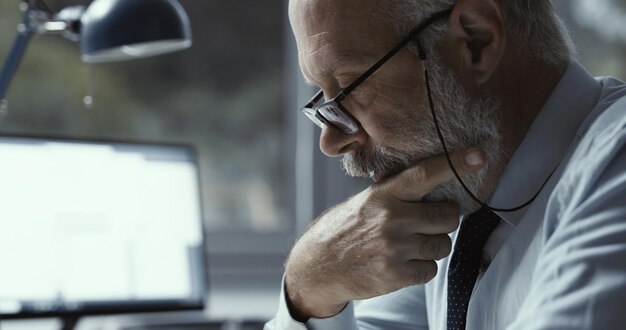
[(422, 56)]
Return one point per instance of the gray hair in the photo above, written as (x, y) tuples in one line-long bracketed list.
[(532, 26)]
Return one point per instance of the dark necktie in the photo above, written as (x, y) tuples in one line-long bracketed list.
[(465, 263)]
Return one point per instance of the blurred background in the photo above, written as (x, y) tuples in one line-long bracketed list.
[(235, 95)]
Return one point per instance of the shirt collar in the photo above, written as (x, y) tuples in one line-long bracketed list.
[(545, 143)]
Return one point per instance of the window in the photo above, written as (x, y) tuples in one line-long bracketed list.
[(598, 29)]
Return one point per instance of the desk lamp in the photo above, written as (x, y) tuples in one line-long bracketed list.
[(108, 31)]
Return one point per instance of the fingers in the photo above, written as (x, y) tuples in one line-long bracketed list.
[(409, 273), (420, 271), (417, 181), (425, 218), (418, 266), (428, 247)]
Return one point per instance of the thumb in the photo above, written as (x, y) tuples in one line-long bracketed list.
[(419, 180)]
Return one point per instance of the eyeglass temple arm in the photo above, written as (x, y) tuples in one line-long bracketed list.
[(411, 36), (377, 65)]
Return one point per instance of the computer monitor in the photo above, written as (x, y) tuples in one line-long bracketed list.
[(98, 227)]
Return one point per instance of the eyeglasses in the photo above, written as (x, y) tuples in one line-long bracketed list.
[(333, 112)]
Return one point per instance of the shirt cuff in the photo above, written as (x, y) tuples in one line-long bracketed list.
[(284, 321), (344, 320)]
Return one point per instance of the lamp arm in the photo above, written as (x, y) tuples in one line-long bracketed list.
[(35, 21), (18, 49), (13, 61)]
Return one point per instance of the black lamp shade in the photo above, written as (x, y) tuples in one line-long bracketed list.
[(115, 30)]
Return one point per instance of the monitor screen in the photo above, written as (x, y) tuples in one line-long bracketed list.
[(92, 227)]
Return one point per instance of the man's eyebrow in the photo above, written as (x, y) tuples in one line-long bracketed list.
[(338, 66)]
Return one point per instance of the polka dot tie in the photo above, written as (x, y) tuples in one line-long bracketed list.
[(465, 263)]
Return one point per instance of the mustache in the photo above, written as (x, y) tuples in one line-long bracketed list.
[(385, 161)]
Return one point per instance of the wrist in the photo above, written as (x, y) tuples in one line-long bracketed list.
[(303, 305), (302, 309)]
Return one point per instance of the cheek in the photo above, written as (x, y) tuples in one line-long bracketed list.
[(395, 116)]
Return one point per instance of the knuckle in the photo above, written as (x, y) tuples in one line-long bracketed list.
[(380, 206), (445, 247), (445, 217), (395, 273), (375, 194), (387, 214), (453, 223), (390, 231), (430, 247), (408, 277), (390, 222), (435, 247), (426, 272), (390, 267), (418, 174), (437, 212), (390, 252), (445, 210), (405, 274), (449, 223)]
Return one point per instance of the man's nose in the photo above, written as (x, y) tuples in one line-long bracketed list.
[(334, 142)]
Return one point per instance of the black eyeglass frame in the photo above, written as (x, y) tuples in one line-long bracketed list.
[(333, 112)]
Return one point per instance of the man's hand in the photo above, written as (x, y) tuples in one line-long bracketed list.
[(377, 242)]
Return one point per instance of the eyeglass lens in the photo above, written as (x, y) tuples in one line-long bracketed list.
[(315, 117), (338, 118)]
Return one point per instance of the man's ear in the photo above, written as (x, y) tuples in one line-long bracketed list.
[(478, 38)]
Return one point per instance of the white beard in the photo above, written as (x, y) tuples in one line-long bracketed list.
[(464, 121)]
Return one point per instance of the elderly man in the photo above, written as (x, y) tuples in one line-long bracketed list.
[(470, 109)]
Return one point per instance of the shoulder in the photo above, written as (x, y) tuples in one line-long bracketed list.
[(611, 109), (576, 279), (598, 161)]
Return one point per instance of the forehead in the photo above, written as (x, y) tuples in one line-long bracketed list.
[(336, 34)]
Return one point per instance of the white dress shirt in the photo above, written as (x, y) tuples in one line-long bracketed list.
[(559, 263)]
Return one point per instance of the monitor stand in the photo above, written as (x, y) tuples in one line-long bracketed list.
[(69, 322)]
